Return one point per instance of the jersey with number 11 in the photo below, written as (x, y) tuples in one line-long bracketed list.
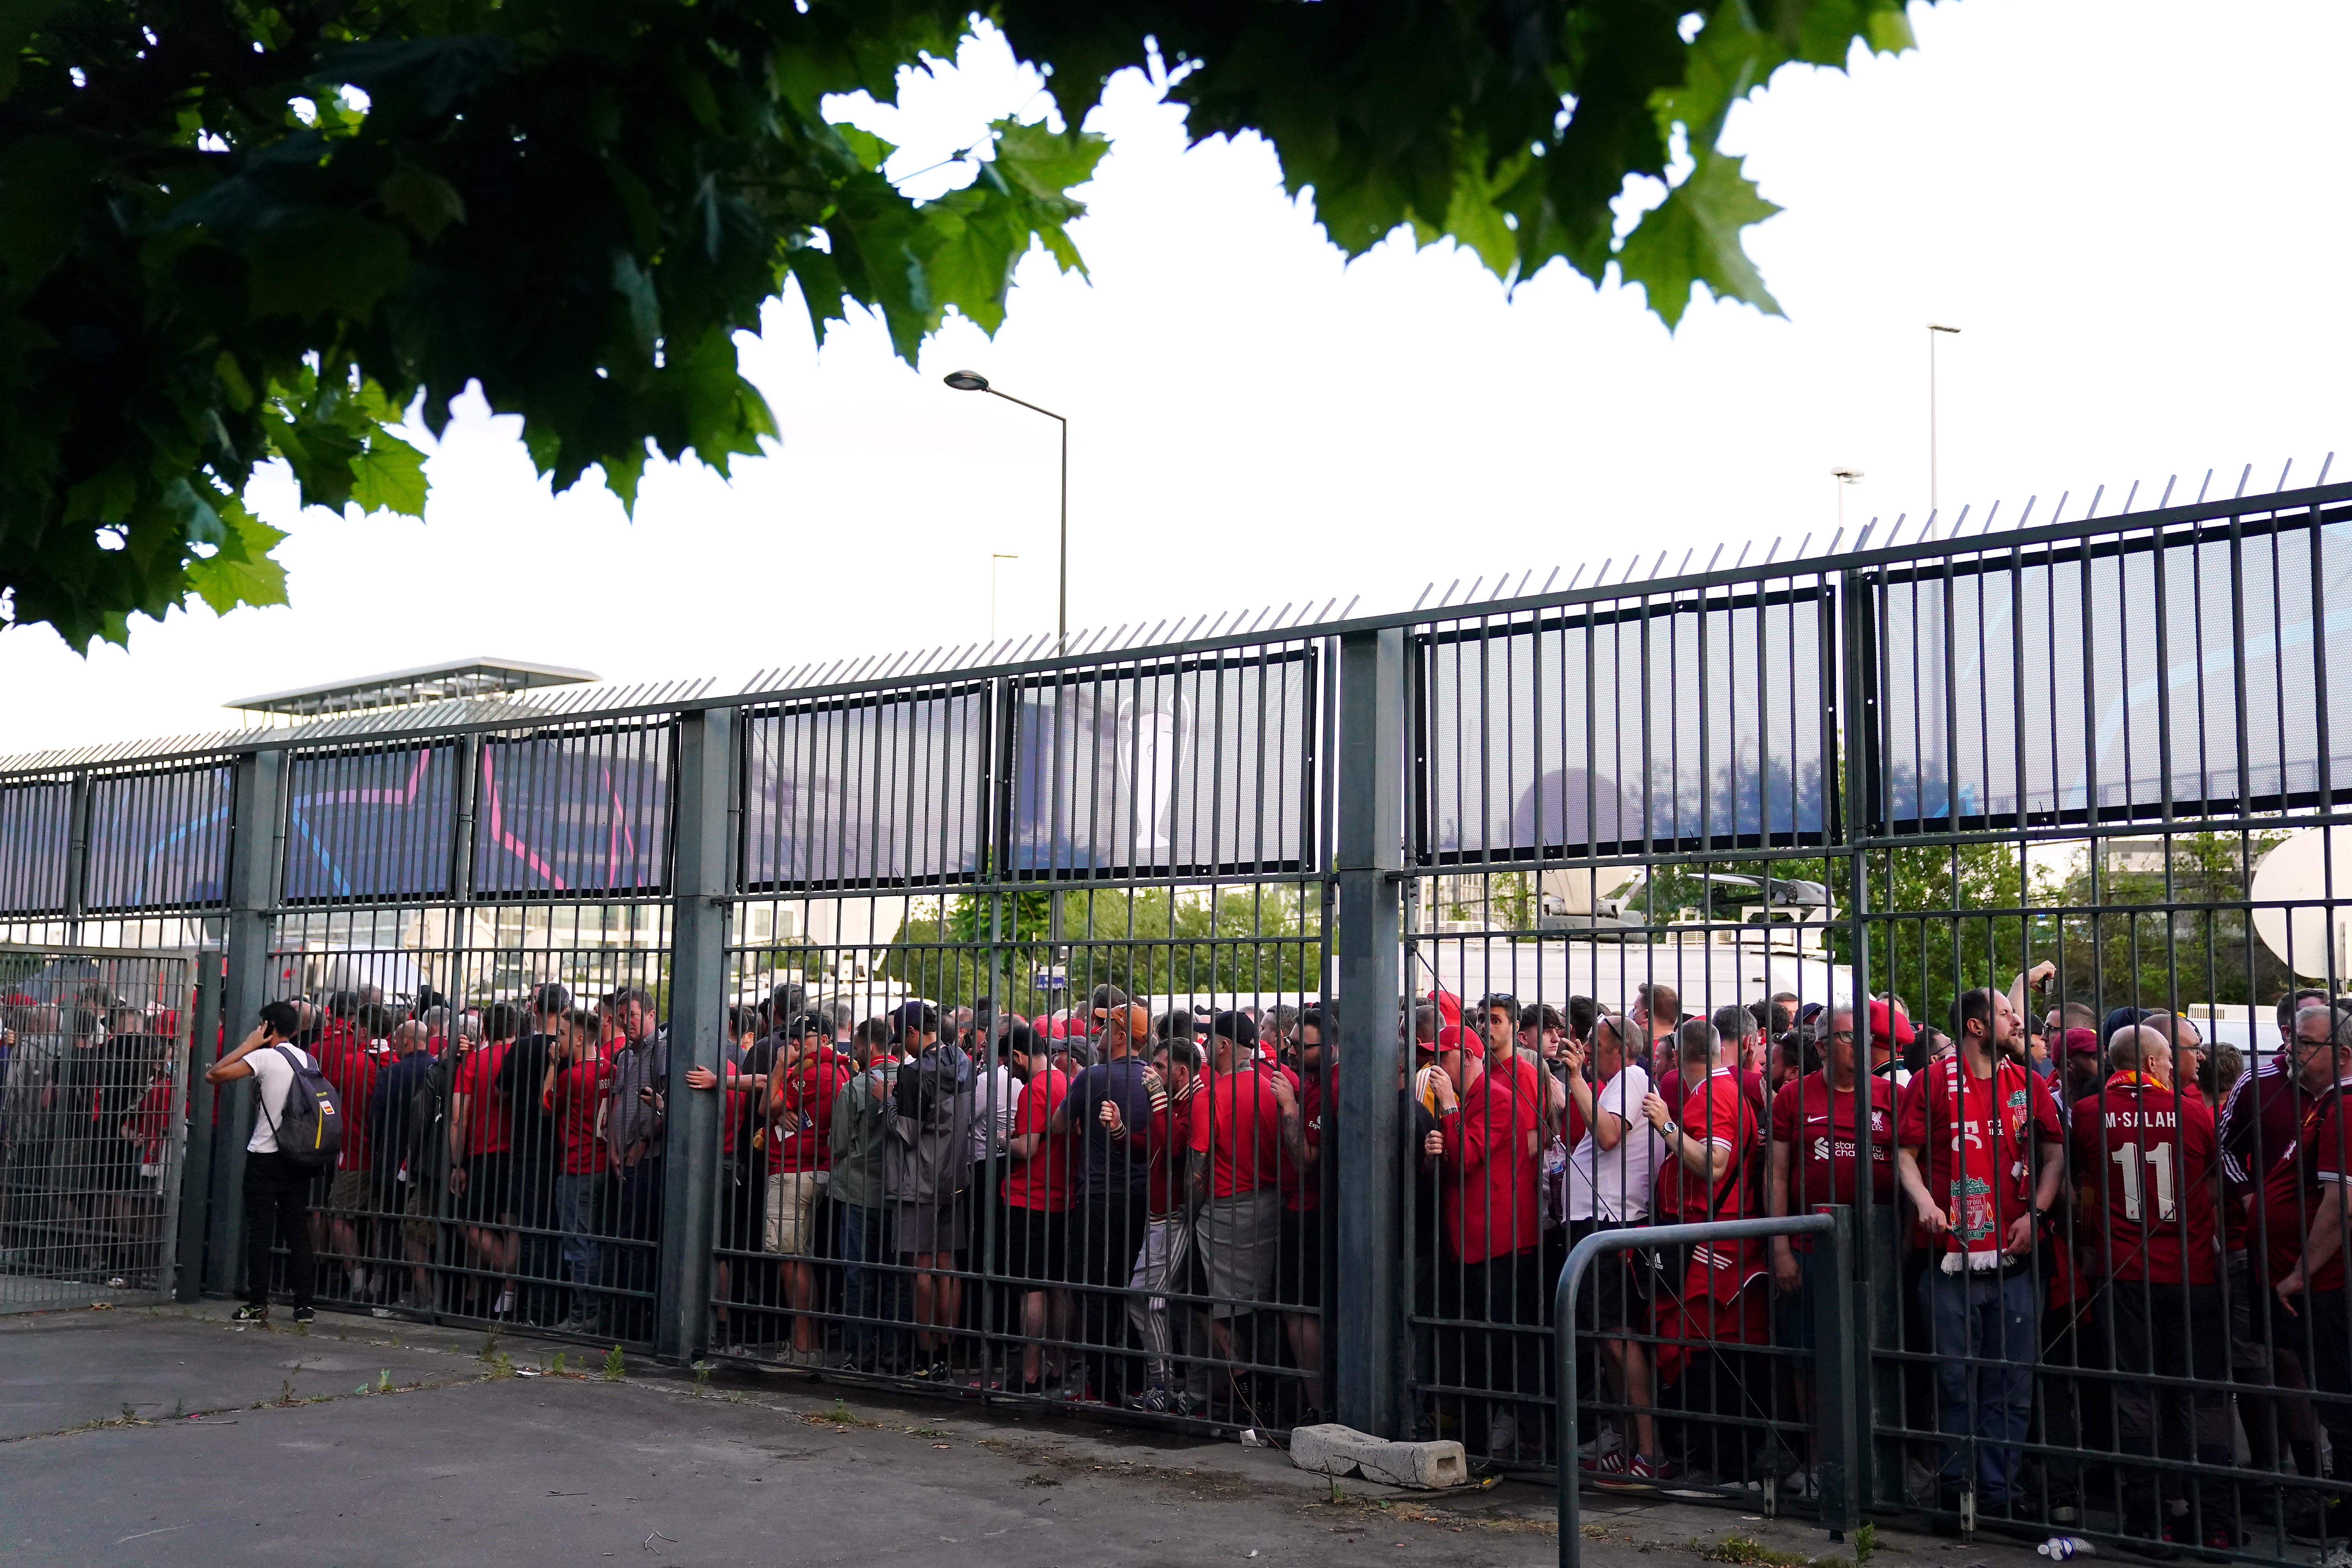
[(2144, 1162)]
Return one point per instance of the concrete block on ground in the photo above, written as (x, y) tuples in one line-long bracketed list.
[(1332, 1449)]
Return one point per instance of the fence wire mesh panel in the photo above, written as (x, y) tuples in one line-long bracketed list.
[(1606, 963), (999, 1031), (974, 1093), (93, 1056), (2103, 788), (476, 936)]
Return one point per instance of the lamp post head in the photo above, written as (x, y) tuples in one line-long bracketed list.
[(967, 381), (1846, 476), (1933, 326)]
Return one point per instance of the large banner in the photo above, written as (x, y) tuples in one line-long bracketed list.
[(2108, 677), (1199, 768), (1685, 723), (885, 791)]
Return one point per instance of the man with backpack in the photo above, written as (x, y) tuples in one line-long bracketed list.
[(297, 1134)]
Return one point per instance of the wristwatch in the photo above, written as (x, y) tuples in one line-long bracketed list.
[(1670, 1129)]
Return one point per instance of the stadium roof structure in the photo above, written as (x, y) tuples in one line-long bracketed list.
[(476, 676)]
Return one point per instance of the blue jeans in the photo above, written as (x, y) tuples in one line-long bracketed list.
[(1995, 1320), (580, 1205), (870, 1296)]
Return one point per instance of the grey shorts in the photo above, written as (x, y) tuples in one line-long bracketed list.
[(1240, 1239)]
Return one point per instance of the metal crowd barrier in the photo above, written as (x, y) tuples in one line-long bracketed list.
[(1837, 1433)]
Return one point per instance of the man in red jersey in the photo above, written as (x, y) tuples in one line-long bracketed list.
[(1740, 1035), (1486, 1196), (1657, 1008), (1236, 1138), (2143, 1156), (800, 1155), (481, 1136), (1033, 1228), (1298, 1266), (1501, 1014), (2258, 1123), (1818, 1129), (1159, 1263), (2309, 1179), (343, 1056), (1705, 1299), (1982, 1154), (574, 1093)]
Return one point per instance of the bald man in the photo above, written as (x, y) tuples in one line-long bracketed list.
[(2147, 1156)]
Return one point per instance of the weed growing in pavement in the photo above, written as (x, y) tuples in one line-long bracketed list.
[(701, 1378), (555, 1365), (1865, 1541), (616, 1368), (1751, 1553)]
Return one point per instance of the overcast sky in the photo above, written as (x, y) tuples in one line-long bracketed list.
[(2131, 208)]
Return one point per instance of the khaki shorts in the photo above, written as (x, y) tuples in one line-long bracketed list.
[(352, 1192), (791, 1201)]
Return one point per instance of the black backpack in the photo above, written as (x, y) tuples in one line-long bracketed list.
[(428, 1134), (309, 1131)]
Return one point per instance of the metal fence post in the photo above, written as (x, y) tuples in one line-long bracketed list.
[(77, 858), (1861, 802), (200, 1151), (1371, 854), (1837, 1441), (247, 980), (700, 882)]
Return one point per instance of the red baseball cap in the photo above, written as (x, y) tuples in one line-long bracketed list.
[(1454, 1037), (1901, 1033), (2083, 1043)]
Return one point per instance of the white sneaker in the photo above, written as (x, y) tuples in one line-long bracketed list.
[(505, 1309), (1802, 1484), (1608, 1442)]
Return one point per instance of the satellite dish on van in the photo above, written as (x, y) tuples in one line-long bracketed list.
[(2312, 940)]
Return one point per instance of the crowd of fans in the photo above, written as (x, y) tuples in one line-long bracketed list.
[(86, 1119), (2116, 1243)]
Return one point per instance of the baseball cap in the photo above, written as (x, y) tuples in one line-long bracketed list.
[(1238, 1027), (2082, 1042), (1901, 1033), (1454, 1037), (1106, 997)]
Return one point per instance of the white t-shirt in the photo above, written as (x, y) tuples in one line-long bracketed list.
[(273, 1080), (1616, 1184), (996, 1099)]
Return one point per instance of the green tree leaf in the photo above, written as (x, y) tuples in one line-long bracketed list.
[(424, 201), (241, 571), (336, 266), (388, 475), (1694, 237)]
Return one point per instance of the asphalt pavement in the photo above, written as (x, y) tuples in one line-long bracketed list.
[(129, 1437)]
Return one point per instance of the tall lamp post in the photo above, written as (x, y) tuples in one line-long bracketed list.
[(1932, 331), (1844, 476), (972, 381)]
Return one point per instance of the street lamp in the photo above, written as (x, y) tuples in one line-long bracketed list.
[(1932, 330), (1844, 476), (972, 381)]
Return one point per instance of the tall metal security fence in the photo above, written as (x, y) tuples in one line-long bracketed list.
[(92, 1124), (1235, 1027)]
